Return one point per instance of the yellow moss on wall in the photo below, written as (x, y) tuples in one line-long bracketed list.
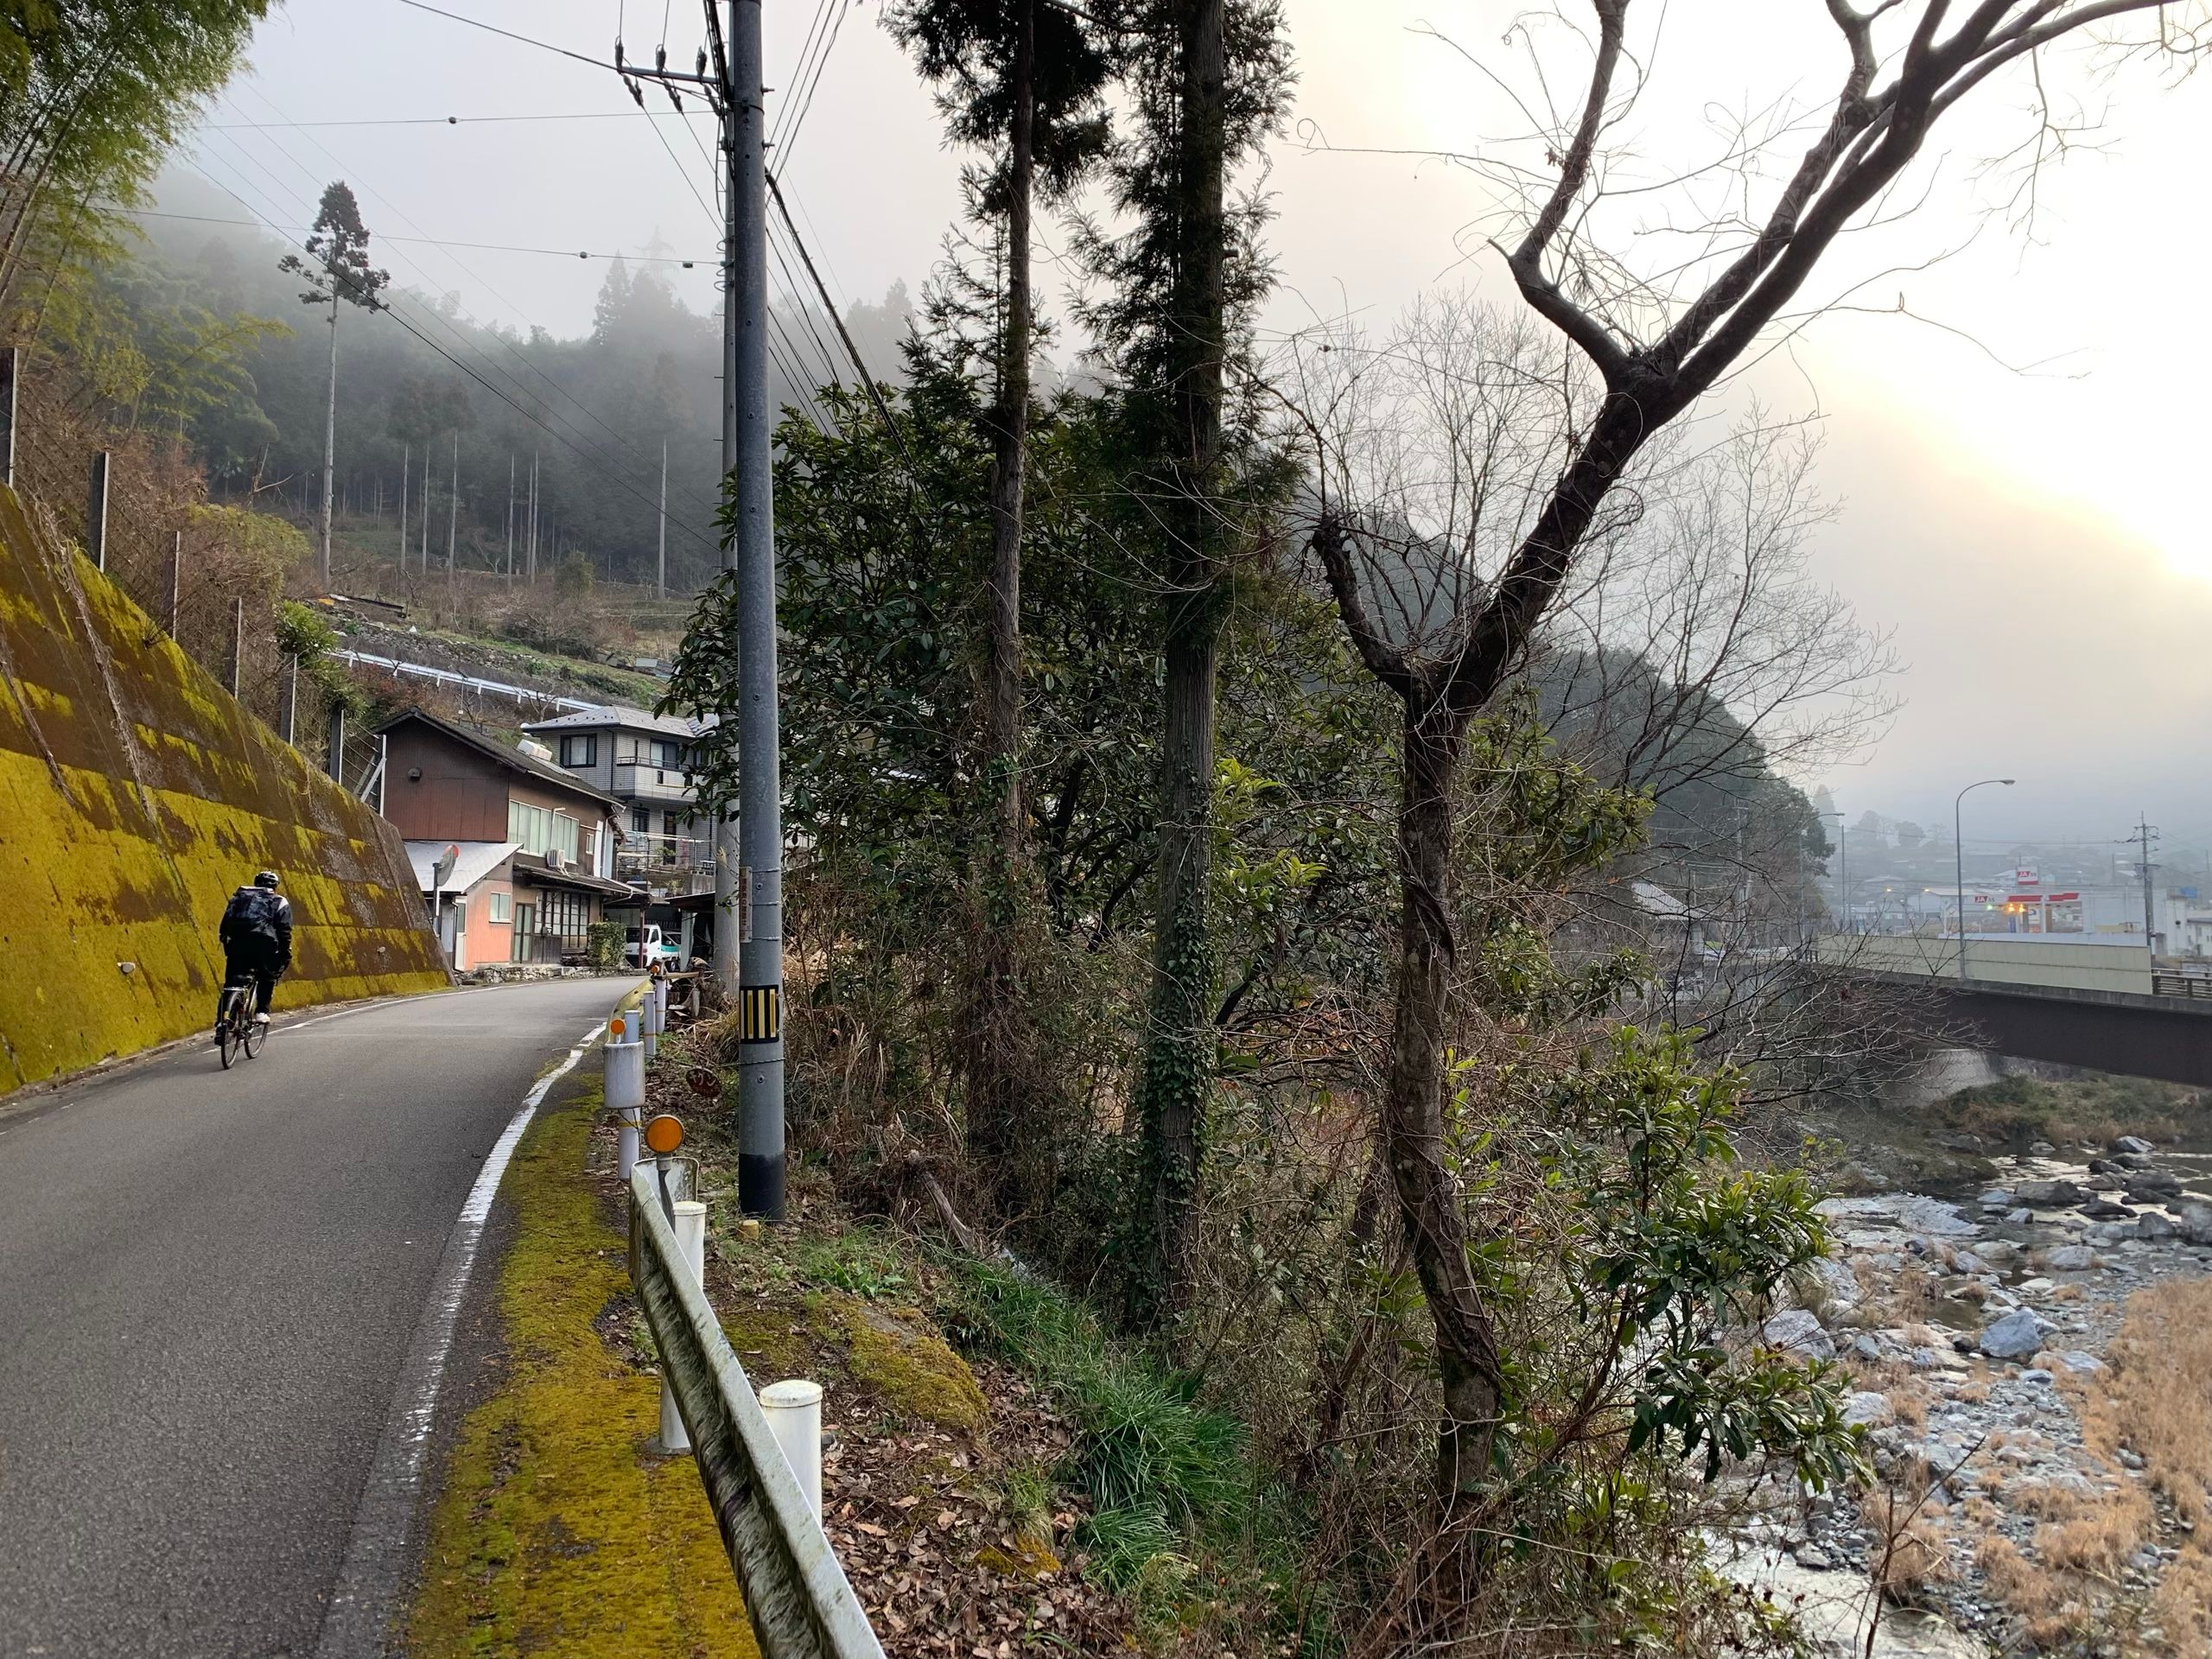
[(558, 1531), (135, 796)]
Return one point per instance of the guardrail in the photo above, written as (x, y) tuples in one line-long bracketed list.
[(397, 668), (800, 1603)]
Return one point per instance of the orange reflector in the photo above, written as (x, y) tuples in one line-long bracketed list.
[(664, 1133), (615, 1027)]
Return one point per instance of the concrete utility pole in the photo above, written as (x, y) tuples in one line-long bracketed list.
[(510, 520), (2145, 835), (749, 855), (660, 560), (406, 461), (759, 801)]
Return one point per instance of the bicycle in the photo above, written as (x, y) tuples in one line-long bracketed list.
[(236, 1029)]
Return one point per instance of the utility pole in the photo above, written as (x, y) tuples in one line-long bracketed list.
[(406, 461), (2145, 835), (533, 516), (749, 855), (453, 506), (510, 518), (660, 559)]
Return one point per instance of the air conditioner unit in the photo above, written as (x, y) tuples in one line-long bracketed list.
[(554, 861)]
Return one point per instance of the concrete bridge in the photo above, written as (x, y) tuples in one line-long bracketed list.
[(2105, 1007)]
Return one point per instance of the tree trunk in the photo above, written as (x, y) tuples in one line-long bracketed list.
[(1413, 1107), (1179, 1056), (1004, 1148), (330, 439)]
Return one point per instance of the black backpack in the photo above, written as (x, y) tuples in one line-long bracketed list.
[(252, 914)]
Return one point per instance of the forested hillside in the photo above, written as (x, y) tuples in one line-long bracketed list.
[(192, 329)]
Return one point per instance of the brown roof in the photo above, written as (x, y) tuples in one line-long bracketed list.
[(512, 758)]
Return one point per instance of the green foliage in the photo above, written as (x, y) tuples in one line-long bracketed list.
[(1163, 1473), (337, 266), (603, 943), (1674, 1243), (860, 1260), (966, 49), (92, 95)]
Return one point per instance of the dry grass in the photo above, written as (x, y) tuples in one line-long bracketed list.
[(2068, 1293)]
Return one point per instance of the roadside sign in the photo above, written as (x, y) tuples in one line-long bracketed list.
[(664, 1133)]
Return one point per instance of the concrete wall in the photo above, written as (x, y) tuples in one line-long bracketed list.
[(135, 796), (2010, 959)]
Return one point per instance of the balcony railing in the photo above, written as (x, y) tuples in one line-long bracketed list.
[(673, 863), (641, 781)]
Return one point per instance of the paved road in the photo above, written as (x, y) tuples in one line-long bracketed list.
[(208, 1282)]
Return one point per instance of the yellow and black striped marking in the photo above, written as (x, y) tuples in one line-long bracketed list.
[(763, 1012)]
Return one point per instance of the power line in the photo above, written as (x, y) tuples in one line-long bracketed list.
[(489, 28), (433, 241), (512, 349), (822, 58), (450, 120), (589, 457)]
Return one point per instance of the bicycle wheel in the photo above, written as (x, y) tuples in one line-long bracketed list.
[(227, 1037), (251, 1033)]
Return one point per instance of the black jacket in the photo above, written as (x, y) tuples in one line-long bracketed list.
[(258, 922)]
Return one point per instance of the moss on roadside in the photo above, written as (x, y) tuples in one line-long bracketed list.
[(897, 1355), (560, 1531)]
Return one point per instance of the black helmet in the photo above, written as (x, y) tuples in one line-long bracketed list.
[(268, 879)]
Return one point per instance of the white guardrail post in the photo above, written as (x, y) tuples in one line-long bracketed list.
[(793, 1409), (801, 1605), (690, 1230), (624, 1055)]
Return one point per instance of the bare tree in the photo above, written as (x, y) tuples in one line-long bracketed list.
[(1516, 464)]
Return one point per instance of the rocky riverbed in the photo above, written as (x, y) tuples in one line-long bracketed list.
[(2015, 1516)]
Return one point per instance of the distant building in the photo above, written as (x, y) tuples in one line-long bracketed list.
[(533, 847), (643, 760)]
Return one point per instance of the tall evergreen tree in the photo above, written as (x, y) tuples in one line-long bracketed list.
[(1208, 78), (338, 247), (1023, 79)]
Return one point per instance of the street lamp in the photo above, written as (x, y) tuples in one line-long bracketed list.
[(1959, 856)]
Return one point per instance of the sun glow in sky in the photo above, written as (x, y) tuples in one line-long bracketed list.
[(2019, 459)]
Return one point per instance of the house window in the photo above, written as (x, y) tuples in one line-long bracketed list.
[(641, 820), (501, 902), (541, 829), (668, 754), (580, 750), (524, 942)]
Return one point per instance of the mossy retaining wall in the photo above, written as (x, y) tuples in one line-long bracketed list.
[(135, 796)]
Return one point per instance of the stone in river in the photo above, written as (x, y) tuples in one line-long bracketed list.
[(2080, 1362), (2131, 1143), (1998, 1198), (2070, 1258), (2156, 1183), (2195, 1221), (2017, 1336), (2040, 1149), (2053, 1195), (2105, 1209), (1795, 1331), (2155, 1227), (1868, 1408)]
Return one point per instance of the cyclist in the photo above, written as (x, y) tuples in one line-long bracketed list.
[(256, 936)]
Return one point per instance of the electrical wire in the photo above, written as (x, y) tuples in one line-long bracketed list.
[(790, 136), (590, 457), (452, 120), (434, 241), (510, 346), (490, 29)]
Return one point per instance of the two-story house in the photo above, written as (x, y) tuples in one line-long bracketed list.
[(642, 761), (533, 847)]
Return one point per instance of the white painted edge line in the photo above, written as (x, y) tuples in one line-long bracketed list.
[(358, 1620)]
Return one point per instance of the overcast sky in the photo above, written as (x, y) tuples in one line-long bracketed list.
[(2035, 539)]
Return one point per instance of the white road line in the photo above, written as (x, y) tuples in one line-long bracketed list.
[(356, 1623)]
